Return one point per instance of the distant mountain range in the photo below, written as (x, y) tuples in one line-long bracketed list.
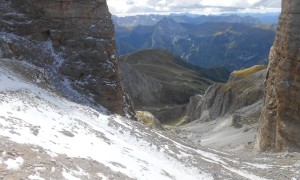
[(232, 42), (265, 18), (246, 18)]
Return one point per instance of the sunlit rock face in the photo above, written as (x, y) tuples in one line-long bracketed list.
[(280, 120), (79, 35)]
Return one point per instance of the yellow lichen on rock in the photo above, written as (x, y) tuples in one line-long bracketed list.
[(249, 71), (148, 119)]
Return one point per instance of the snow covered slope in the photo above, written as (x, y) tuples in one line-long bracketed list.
[(44, 136), (30, 114)]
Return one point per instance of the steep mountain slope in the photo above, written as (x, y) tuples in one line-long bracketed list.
[(156, 78), (69, 136), (231, 45), (44, 136), (162, 67), (73, 41), (230, 111), (280, 120)]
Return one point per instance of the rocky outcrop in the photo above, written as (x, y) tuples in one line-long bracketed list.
[(241, 98), (72, 40), (280, 119)]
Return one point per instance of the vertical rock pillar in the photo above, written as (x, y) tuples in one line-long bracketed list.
[(280, 119)]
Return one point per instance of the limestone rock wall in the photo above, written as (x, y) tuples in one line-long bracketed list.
[(81, 48), (240, 97), (280, 120)]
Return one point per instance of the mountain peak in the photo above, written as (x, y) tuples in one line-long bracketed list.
[(168, 21), (168, 28)]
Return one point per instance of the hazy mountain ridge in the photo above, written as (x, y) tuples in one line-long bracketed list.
[(150, 20), (265, 18), (210, 44)]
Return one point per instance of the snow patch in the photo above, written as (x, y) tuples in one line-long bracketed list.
[(261, 166), (35, 177), (75, 174), (14, 164), (81, 172), (297, 163), (244, 173), (69, 176), (102, 176)]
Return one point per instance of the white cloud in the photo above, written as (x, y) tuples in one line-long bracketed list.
[(120, 7)]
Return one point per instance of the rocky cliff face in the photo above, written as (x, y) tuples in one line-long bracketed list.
[(280, 120), (240, 98), (227, 115), (72, 41)]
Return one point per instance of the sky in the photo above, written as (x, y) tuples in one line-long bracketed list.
[(133, 7)]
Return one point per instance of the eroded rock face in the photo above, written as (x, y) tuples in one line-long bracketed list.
[(280, 120), (74, 43), (240, 98)]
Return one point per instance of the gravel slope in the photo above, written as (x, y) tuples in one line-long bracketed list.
[(44, 136)]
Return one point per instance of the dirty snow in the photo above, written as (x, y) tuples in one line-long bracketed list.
[(31, 114), (14, 164), (35, 177), (69, 176)]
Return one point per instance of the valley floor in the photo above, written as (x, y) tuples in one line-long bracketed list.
[(44, 136)]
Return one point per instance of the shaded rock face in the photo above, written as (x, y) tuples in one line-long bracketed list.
[(240, 98), (149, 94), (143, 89), (280, 120), (194, 108), (72, 40)]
